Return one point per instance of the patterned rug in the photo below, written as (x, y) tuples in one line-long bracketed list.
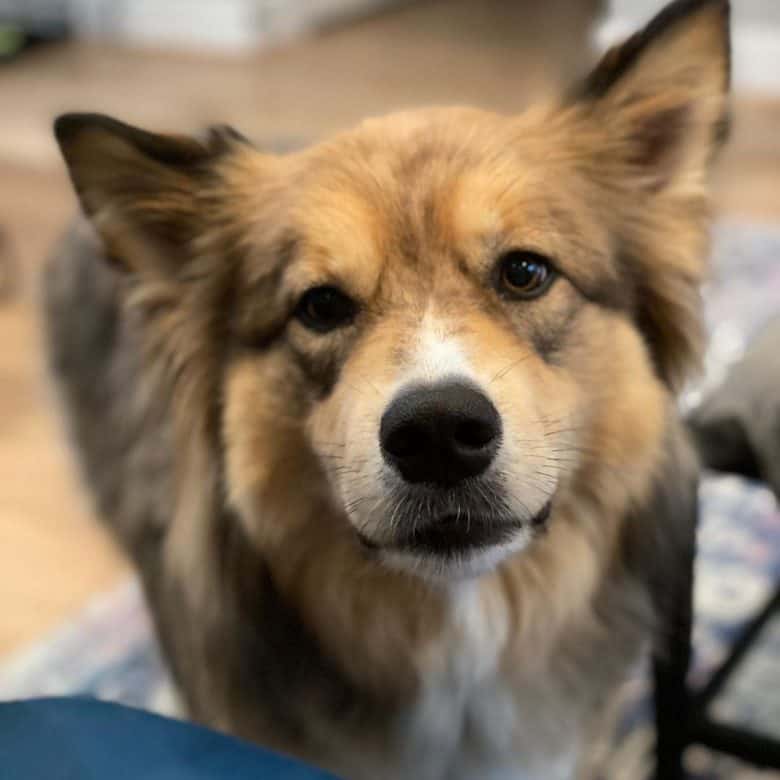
[(109, 650)]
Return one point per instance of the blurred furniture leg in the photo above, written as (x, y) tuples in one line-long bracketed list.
[(670, 671)]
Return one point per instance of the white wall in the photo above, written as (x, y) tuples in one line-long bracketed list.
[(224, 25)]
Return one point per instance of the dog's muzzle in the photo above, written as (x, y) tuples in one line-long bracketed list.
[(439, 442)]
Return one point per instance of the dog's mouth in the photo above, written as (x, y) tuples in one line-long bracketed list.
[(455, 534)]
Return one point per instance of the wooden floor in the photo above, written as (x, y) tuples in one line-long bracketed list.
[(53, 556)]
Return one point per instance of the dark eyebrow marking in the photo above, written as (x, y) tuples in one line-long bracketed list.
[(616, 291), (257, 317)]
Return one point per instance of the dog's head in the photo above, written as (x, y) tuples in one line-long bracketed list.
[(427, 334)]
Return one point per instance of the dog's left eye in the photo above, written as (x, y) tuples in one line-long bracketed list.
[(325, 308), (524, 274)]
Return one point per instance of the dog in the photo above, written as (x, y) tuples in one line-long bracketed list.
[(388, 425)]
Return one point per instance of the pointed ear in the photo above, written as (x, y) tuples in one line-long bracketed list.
[(143, 192), (661, 96)]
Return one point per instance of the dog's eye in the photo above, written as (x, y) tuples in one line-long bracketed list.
[(524, 274), (325, 308)]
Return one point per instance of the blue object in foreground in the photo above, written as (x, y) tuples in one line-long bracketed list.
[(85, 739)]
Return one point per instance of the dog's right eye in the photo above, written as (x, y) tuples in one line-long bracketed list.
[(524, 274), (325, 308)]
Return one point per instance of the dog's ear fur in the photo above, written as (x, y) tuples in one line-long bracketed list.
[(143, 192), (653, 113), (662, 94)]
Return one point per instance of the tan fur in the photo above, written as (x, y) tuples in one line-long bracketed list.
[(275, 427)]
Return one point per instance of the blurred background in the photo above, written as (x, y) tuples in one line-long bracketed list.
[(285, 73)]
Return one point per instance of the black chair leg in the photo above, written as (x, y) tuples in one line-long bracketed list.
[(670, 671)]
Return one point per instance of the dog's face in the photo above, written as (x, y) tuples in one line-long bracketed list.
[(449, 326), (426, 335)]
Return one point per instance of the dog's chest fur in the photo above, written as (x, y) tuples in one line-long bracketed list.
[(477, 717), (464, 712)]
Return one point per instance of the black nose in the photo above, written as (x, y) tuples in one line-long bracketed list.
[(440, 434)]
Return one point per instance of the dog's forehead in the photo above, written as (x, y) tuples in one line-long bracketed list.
[(410, 183), (421, 191), (406, 196)]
